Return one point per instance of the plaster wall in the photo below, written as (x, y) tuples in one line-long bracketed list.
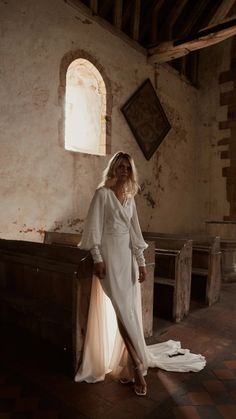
[(43, 186), (212, 202)]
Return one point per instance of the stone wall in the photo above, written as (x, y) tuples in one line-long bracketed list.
[(43, 186), (228, 99), (214, 132)]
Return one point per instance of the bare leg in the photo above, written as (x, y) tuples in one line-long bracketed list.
[(140, 383)]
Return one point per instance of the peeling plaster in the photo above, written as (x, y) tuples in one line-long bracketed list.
[(146, 193), (26, 229)]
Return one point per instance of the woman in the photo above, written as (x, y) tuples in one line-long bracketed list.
[(112, 234)]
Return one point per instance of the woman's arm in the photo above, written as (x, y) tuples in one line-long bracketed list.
[(138, 244), (99, 266), (93, 230)]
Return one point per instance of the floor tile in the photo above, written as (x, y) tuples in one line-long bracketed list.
[(208, 412), (224, 374), (32, 388), (228, 412), (186, 412), (200, 398), (231, 364), (214, 385)]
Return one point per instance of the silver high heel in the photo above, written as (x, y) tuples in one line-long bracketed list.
[(136, 390)]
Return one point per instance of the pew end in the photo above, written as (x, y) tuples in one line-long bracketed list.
[(45, 290)]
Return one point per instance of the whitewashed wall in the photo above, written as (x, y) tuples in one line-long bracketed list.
[(44, 187)]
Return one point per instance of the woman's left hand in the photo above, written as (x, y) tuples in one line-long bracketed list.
[(142, 273)]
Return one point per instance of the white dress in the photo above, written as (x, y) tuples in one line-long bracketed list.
[(115, 229)]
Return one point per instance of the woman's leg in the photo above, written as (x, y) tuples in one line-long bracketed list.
[(140, 383)]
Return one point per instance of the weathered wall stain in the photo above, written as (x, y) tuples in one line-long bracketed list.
[(40, 97), (146, 193), (27, 230), (61, 183)]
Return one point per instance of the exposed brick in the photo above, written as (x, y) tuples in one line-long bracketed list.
[(233, 63), (232, 112), (232, 150), (224, 141), (227, 76), (224, 154), (228, 98), (223, 124), (225, 171), (227, 124)]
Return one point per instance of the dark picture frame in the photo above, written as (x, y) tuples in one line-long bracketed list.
[(146, 118)]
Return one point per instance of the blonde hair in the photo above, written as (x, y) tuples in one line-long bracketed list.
[(109, 174)]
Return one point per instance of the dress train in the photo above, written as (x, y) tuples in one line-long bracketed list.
[(105, 352)]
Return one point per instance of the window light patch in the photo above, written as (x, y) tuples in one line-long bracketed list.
[(85, 109)]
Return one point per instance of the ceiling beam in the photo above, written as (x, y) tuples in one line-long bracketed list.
[(154, 21), (136, 20), (105, 7), (117, 17), (93, 4), (86, 12), (192, 18), (127, 12), (221, 11), (168, 51), (175, 11)]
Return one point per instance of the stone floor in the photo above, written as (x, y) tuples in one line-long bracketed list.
[(36, 385)]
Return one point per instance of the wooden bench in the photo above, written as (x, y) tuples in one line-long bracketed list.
[(62, 239), (173, 262), (206, 265), (206, 270), (73, 239), (227, 232), (45, 290), (228, 248)]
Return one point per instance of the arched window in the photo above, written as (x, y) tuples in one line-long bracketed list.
[(85, 109)]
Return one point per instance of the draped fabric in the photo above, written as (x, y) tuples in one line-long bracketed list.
[(115, 229)]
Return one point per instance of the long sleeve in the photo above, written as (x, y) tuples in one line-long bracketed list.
[(138, 243), (96, 254), (93, 228)]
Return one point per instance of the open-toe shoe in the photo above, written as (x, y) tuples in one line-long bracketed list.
[(141, 388)]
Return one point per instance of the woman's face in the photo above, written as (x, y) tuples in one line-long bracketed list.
[(123, 170)]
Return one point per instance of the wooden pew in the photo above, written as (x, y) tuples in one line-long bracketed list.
[(207, 268), (45, 289), (173, 262), (228, 248), (73, 239), (62, 239), (206, 265)]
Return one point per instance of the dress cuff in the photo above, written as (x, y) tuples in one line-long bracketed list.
[(96, 254), (139, 257)]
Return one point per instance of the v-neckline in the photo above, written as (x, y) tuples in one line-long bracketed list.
[(125, 200)]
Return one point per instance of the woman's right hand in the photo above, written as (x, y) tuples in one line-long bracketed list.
[(99, 270)]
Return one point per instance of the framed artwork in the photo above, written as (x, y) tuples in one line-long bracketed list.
[(146, 118)]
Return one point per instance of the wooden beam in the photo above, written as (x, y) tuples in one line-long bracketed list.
[(87, 13), (127, 12), (168, 51), (105, 7), (195, 13), (93, 4), (222, 11), (173, 15), (136, 20), (154, 21), (117, 17)]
